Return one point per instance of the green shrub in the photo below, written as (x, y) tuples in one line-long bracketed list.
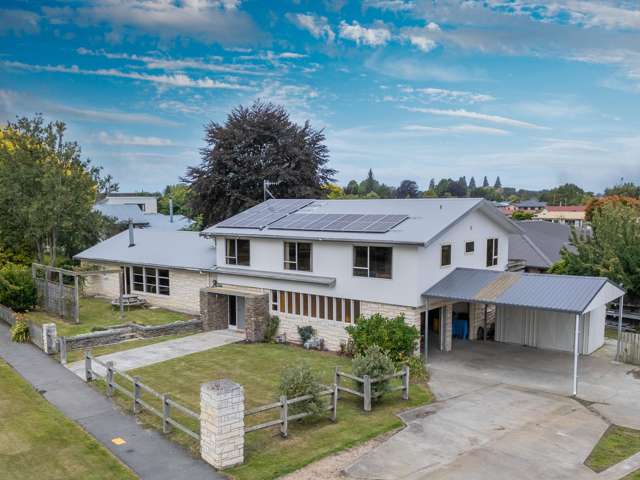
[(417, 370), (17, 290), (299, 380), (20, 331), (375, 363), (393, 336), (271, 328), (306, 333)]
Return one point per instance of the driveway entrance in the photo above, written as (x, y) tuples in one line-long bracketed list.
[(503, 413)]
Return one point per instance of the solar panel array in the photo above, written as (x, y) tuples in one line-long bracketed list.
[(264, 214), (338, 222)]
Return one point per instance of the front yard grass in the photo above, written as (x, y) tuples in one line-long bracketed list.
[(37, 441), (617, 444), (98, 312), (257, 367)]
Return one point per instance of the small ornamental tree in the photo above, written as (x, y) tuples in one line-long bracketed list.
[(300, 380), (393, 336), (17, 290), (375, 363)]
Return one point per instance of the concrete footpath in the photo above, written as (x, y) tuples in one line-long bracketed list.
[(162, 351), (146, 452)]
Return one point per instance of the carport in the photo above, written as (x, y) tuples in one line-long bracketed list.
[(558, 312)]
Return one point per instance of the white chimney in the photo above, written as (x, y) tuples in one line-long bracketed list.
[(131, 241), (171, 210)]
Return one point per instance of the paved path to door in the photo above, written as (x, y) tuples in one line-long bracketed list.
[(499, 416), (159, 352), (149, 454)]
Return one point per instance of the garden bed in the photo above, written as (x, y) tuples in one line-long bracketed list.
[(617, 444), (258, 367)]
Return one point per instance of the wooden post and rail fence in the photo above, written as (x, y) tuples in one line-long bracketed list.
[(366, 382)]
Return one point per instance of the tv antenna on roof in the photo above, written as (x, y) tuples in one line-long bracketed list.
[(265, 189)]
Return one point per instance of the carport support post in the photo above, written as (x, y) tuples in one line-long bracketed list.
[(619, 346), (575, 356)]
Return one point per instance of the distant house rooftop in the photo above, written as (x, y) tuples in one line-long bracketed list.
[(531, 204), (158, 221), (540, 243), (566, 208)]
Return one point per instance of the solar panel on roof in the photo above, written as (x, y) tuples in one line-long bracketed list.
[(265, 213), (336, 222)]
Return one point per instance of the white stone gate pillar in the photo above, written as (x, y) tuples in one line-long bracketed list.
[(222, 423)]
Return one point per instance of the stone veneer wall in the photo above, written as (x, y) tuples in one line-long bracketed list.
[(334, 332), (256, 309), (185, 288), (214, 310)]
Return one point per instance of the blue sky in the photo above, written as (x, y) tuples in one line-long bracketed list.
[(538, 92)]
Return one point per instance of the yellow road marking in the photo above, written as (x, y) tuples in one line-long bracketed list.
[(118, 441)]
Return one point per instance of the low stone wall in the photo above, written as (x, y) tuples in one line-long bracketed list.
[(120, 333)]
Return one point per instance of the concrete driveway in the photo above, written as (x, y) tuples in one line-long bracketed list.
[(503, 413)]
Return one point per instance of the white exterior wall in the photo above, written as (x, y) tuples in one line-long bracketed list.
[(477, 227), (150, 203), (184, 290), (550, 330)]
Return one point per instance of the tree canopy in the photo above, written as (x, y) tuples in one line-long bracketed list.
[(612, 250), (256, 143), (408, 189), (46, 191)]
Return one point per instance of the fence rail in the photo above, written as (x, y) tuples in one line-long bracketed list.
[(135, 394), (285, 417), (630, 347), (366, 394)]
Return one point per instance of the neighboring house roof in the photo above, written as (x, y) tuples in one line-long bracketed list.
[(428, 218), (132, 194), (157, 248), (577, 212), (531, 204), (566, 208), (540, 243), (122, 214), (563, 293)]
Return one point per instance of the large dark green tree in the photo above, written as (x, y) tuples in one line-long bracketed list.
[(46, 191), (407, 189), (256, 143)]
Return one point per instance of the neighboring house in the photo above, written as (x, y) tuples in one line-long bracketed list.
[(505, 207), (573, 215), (122, 213), (166, 268), (146, 203), (538, 246), (530, 205), (439, 262)]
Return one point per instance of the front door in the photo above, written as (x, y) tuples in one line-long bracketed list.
[(233, 319)]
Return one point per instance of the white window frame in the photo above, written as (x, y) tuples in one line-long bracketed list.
[(368, 267), (474, 247), (450, 245), (228, 258), (294, 263), (495, 244), (146, 271)]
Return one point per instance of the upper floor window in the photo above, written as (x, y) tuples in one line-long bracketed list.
[(445, 255), (374, 262), (469, 247), (492, 252), (297, 256), (237, 251)]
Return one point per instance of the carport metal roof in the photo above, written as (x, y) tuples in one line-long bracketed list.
[(563, 293)]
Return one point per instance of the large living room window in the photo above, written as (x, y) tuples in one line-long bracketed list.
[(297, 256), (492, 252), (151, 280), (315, 307), (237, 251), (373, 262)]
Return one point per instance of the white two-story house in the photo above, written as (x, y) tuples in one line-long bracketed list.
[(326, 262)]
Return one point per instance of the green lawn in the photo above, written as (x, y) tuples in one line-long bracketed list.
[(37, 441), (617, 444), (97, 312), (76, 355), (257, 367)]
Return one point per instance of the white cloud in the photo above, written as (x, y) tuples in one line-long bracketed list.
[(374, 36), (422, 38), (462, 113), (167, 80), (204, 20), (416, 68), (451, 96), (17, 22), (390, 5), (472, 129), (122, 139), (316, 25)]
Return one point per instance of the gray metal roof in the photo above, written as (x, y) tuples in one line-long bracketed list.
[(540, 244), (158, 248), (428, 219), (531, 204), (122, 214), (564, 293)]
